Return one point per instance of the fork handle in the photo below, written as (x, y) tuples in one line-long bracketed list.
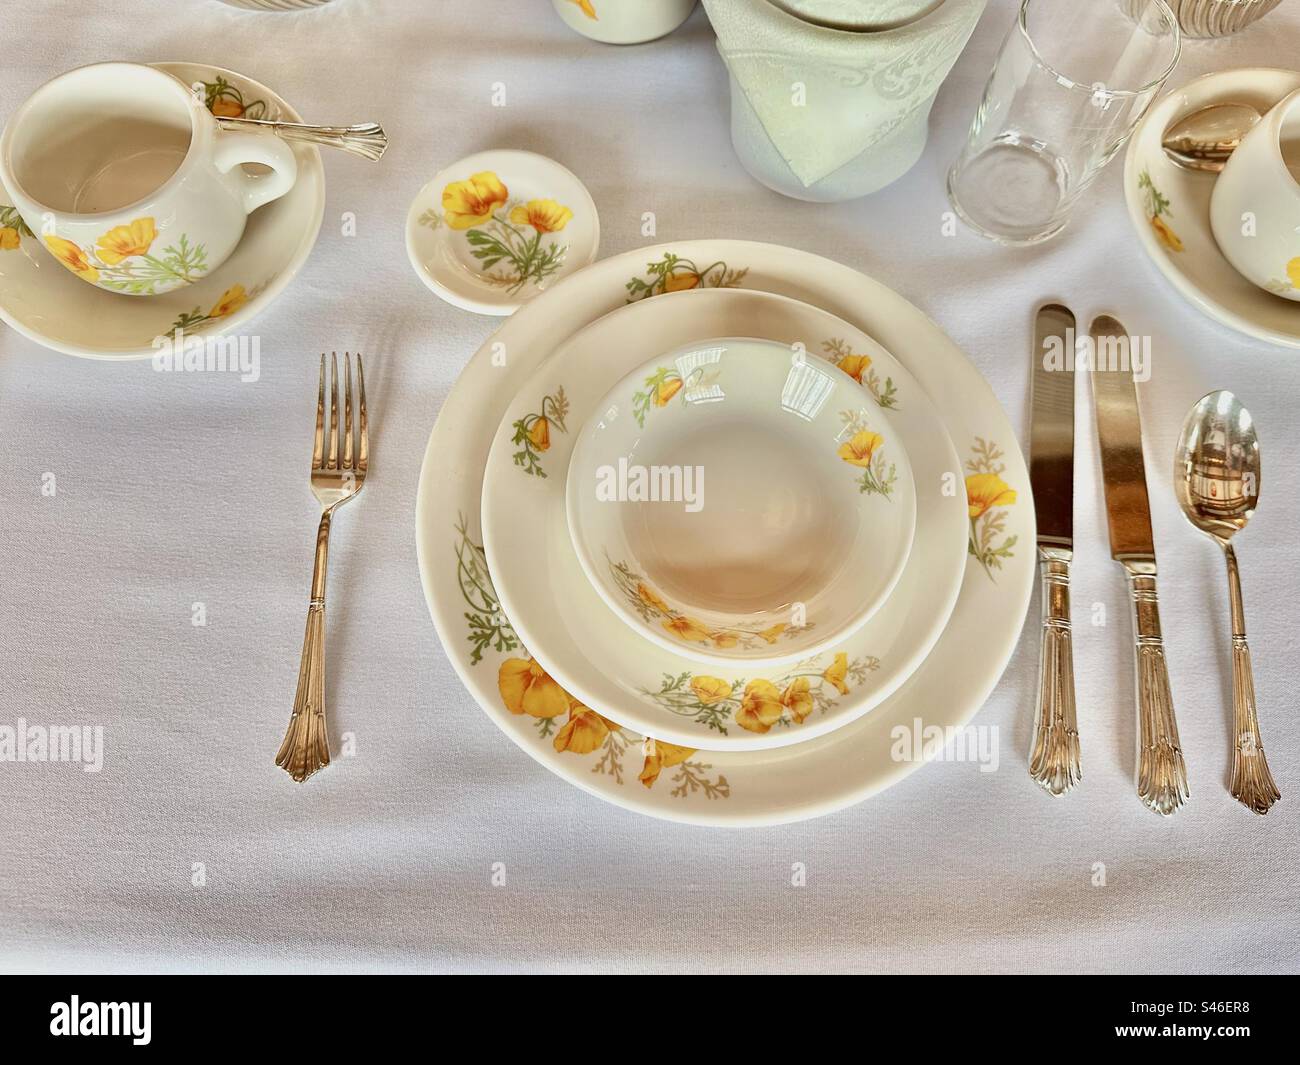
[(306, 744), (1252, 782), (1161, 771), (1054, 758)]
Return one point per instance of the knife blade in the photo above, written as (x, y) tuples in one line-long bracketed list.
[(1051, 432), (1054, 756), (1161, 771), (1119, 428)]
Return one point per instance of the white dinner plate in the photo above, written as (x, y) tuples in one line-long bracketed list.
[(665, 692), (753, 787), (50, 305), (1170, 208)]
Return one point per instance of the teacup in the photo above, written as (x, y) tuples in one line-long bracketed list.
[(1255, 206), (129, 181), (624, 21)]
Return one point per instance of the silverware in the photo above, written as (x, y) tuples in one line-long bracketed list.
[(1161, 771), (1216, 476), (1204, 139), (367, 140), (338, 471), (1054, 758)]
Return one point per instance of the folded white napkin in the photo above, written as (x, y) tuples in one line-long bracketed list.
[(824, 96)]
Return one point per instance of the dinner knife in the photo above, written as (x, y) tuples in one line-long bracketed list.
[(1054, 757), (1161, 772)]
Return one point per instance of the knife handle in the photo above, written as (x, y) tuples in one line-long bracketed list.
[(1161, 772), (1054, 758)]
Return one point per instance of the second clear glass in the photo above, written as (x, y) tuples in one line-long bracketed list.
[(1070, 83)]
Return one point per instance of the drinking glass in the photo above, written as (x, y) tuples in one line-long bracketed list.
[(1070, 83)]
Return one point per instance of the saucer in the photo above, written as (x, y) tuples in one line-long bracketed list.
[(497, 228), (1170, 208), (741, 502), (48, 304)]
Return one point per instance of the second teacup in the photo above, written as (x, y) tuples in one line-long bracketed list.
[(1255, 206), (129, 181)]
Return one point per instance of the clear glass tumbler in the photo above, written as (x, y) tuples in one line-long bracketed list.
[(1071, 81)]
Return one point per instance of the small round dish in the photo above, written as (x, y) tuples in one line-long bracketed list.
[(1170, 208), (48, 304), (740, 502), (493, 230)]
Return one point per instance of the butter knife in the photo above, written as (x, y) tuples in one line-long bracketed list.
[(1054, 757), (1161, 772)]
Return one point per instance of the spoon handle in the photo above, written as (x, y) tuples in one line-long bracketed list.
[(1252, 783), (367, 140), (1054, 759), (1161, 771)]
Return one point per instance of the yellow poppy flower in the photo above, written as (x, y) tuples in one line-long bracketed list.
[(771, 635), (540, 434), (72, 257), (760, 706), (858, 450), (987, 490), (545, 216), (681, 282), (855, 366), (1293, 272), (666, 389), (121, 242), (231, 300), (659, 756), (584, 732), (227, 107), (1165, 235), (688, 629), (798, 699), (710, 690), (587, 9), (471, 203), (9, 238), (651, 598), (526, 688), (835, 673), (724, 639)]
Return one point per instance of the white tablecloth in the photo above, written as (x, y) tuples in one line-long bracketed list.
[(176, 489)]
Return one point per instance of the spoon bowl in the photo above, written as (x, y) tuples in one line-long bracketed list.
[(1204, 139), (1216, 468)]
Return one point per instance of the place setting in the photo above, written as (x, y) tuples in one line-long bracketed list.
[(705, 526)]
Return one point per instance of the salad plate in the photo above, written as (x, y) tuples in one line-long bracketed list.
[(613, 762), (1170, 209), (667, 689), (50, 305)]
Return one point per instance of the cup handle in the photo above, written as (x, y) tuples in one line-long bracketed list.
[(232, 149)]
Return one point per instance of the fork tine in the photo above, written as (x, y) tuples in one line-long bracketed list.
[(318, 445), (347, 412), (333, 462), (363, 447)]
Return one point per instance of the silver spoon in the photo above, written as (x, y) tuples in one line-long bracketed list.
[(1216, 476), (367, 140), (1204, 139)]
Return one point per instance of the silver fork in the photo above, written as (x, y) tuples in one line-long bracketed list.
[(335, 479)]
